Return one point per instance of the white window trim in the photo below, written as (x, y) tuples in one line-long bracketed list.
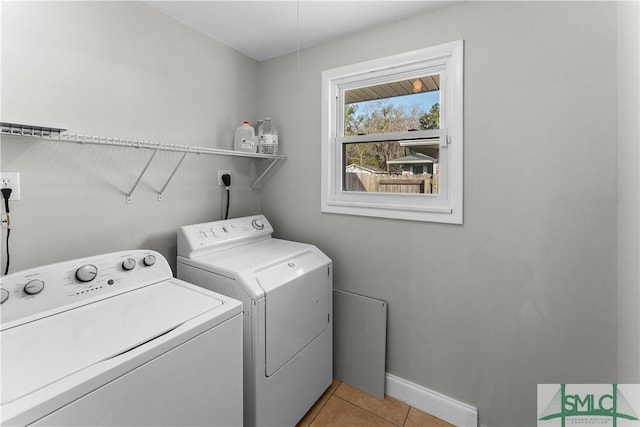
[(446, 206)]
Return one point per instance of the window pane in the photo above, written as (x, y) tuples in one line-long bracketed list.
[(393, 107), (392, 166)]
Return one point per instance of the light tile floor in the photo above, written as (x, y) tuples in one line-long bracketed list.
[(345, 406)]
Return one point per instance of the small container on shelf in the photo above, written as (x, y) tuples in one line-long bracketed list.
[(245, 139), (267, 137)]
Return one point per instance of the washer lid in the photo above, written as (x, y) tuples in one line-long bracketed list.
[(44, 351)]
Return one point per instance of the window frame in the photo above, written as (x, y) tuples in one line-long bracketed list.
[(446, 206)]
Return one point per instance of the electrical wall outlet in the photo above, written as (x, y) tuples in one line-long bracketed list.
[(11, 180), (220, 173)]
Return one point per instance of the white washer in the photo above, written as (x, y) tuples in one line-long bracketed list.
[(285, 288), (115, 340)]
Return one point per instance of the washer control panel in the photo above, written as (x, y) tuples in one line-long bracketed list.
[(199, 239), (30, 294)]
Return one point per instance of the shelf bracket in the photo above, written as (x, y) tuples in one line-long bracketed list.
[(266, 171), (172, 174), (144, 170)]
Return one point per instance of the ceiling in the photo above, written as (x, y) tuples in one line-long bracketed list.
[(267, 29)]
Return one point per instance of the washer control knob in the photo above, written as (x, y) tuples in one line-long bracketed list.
[(257, 224), (87, 273), (5, 295), (149, 260), (129, 264), (33, 287)]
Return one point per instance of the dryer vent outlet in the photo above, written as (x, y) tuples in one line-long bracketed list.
[(220, 173)]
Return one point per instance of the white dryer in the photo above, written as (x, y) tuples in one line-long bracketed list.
[(285, 288), (115, 340)]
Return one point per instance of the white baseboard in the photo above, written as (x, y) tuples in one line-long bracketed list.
[(432, 402)]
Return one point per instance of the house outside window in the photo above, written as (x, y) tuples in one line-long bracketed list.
[(392, 136)]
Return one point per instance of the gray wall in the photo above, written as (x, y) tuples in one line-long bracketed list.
[(118, 69), (525, 292), (629, 193)]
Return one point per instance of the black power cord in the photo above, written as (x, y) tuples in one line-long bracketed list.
[(6, 193), (226, 180)]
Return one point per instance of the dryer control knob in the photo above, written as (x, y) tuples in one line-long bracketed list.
[(257, 224), (33, 287), (129, 264), (5, 295), (87, 273), (149, 260)]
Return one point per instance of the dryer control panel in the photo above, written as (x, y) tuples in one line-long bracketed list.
[(209, 237), (38, 292)]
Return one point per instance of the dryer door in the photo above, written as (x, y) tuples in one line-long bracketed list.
[(296, 307)]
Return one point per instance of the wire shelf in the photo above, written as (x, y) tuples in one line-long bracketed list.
[(51, 133)]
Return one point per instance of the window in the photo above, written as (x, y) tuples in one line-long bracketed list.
[(392, 136)]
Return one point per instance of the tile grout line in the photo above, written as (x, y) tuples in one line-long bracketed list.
[(318, 413), (324, 404), (406, 417), (367, 411)]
